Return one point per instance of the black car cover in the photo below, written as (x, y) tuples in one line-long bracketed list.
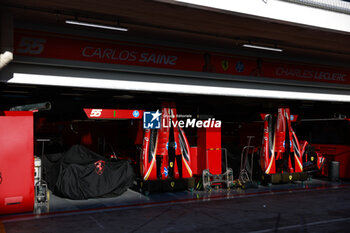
[(81, 174)]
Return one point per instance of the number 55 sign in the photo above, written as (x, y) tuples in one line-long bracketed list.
[(29, 45)]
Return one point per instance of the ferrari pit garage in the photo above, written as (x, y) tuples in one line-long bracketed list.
[(91, 155)]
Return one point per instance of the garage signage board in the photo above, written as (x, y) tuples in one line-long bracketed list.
[(76, 48), (94, 113)]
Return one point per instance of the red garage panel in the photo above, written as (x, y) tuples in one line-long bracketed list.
[(209, 157), (340, 153), (16, 162)]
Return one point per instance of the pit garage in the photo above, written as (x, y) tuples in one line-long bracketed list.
[(87, 116), (78, 108)]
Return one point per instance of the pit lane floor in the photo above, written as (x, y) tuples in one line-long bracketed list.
[(315, 206)]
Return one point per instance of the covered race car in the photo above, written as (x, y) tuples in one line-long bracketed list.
[(81, 174)]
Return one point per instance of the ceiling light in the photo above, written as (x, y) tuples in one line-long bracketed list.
[(96, 25), (37, 79), (262, 47)]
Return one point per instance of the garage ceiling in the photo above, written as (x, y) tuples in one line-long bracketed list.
[(163, 21)]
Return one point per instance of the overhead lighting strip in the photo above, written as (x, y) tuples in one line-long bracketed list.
[(80, 23), (262, 47), (172, 88)]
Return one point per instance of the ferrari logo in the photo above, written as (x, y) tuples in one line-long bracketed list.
[(224, 65), (99, 167)]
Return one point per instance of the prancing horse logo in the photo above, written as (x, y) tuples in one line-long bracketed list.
[(99, 167)]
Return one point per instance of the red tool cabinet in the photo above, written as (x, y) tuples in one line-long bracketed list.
[(16, 162)]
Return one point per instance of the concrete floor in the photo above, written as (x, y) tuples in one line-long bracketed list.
[(315, 207)]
